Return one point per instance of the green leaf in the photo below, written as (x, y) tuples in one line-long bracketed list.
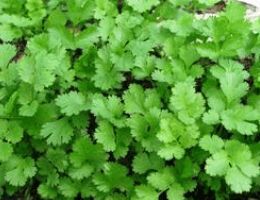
[(211, 143), (134, 98), (14, 133), (189, 55), (7, 52), (182, 26), (232, 79), (238, 157), (238, 181), (170, 151), (86, 152), (47, 191), (211, 117), (114, 176), (218, 164), (57, 132), (35, 9), (186, 102), (241, 118), (235, 11), (146, 192), (170, 129), (109, 108), (20, 170), (79, 10), (80, 173), (142, 5), (162, 179), (143, 162), (176, 192), (106, 75), (6, 151), (38, 71), (72, 103), (68, 188), (105, 136), (209, 2), (29, 110), (9, 32)]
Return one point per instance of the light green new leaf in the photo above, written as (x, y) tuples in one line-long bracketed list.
[(232, 77), (188, 104), (72, 103), (238, 181), (142, 5), (211, 117), (218, 164), (242, 158), (211, 143), (241, 118), (171, 150), (170, 129)]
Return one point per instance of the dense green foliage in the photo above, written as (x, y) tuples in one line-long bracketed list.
[(128, 99)]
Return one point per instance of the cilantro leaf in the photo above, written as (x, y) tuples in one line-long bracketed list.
[(143, 162), (138, 101), (7, 52), (114, 176), (105, 136), (211, 143), (20, 170), (68, 188), (231, 77), (238, 181), (82, 172), (6, 151), (176, 192), (142, 5), (47, 191), (86, 152), (240, 118), (146, 192), (186, 102), (57, 132), (162, 179), (11, 131), (29, 110), (110, 108), (72, 103), (217, 164)]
